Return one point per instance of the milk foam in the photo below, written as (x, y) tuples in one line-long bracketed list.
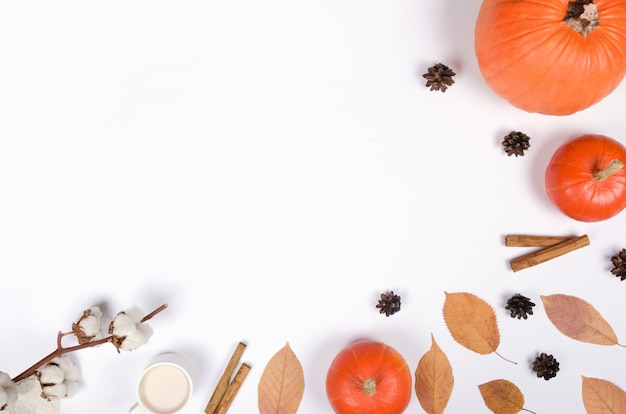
[(164, 389)]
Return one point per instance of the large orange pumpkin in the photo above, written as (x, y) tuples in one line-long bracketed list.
[(369, 377), (552, 56), (586, 179)]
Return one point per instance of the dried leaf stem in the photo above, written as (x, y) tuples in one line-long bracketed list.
[(506, 359), (222, 384), (60, 350)]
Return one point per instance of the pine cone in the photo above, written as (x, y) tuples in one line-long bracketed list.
[(439, 77), (515, 143), (389, 303), (619, 264), (519, 306), (545, 366)]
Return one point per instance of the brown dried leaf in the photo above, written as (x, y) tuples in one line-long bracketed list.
[(434, 380), (603, 397), (502, 396), (282, 384), (578, 319), (472, 322)]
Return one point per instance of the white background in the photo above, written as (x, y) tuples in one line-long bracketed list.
[(268, 169)]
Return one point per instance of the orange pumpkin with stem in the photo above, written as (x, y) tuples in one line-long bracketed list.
[(369, 377), (552, 56), (586, 178)]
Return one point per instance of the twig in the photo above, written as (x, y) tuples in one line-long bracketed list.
[(60, 350), (222, 384)]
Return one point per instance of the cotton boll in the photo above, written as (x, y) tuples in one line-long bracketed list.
[(135, 314), (71, 388), (126, 321), (55, 391), (30, 401), (5, 380), (59, 378), (137, 338), (69, 368), (8, 391), (88, 326), (51, 374), (122, 325), (4, 398), (128, 329), (72, 373)]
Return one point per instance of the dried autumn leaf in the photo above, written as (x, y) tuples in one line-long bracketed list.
[(282, 384), (602, 397), (472, 322), (434, 380), (578, 319), (502, 397)]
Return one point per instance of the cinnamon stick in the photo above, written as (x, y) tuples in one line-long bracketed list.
[(222, 385), (548, 253), (525, 240), (232, 389)]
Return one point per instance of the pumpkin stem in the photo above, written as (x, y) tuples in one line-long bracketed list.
[(369, 387), (582, 16), (610, 169)]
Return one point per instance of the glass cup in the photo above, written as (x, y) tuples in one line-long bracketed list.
[(164, 387)]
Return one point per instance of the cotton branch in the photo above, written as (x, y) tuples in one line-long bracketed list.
[(60, 350)]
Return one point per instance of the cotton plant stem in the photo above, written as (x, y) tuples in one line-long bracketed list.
[(60, 350), (222, 384), (233, 389), (525, 240), (154, 312), (548, 253)]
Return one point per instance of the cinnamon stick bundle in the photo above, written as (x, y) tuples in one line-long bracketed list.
[(224, 383), (548, 253), (232, 389)]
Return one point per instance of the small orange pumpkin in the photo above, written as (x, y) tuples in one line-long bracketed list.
[(552, 56), (586, 179), (369, 377)]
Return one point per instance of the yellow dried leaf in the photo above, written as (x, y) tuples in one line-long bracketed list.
[(602, 397), (434, 380), (502, 396), (472, 322), (282, 384), (578, 319)]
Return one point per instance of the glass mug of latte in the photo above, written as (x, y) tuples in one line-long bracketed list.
[(164, 386)]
